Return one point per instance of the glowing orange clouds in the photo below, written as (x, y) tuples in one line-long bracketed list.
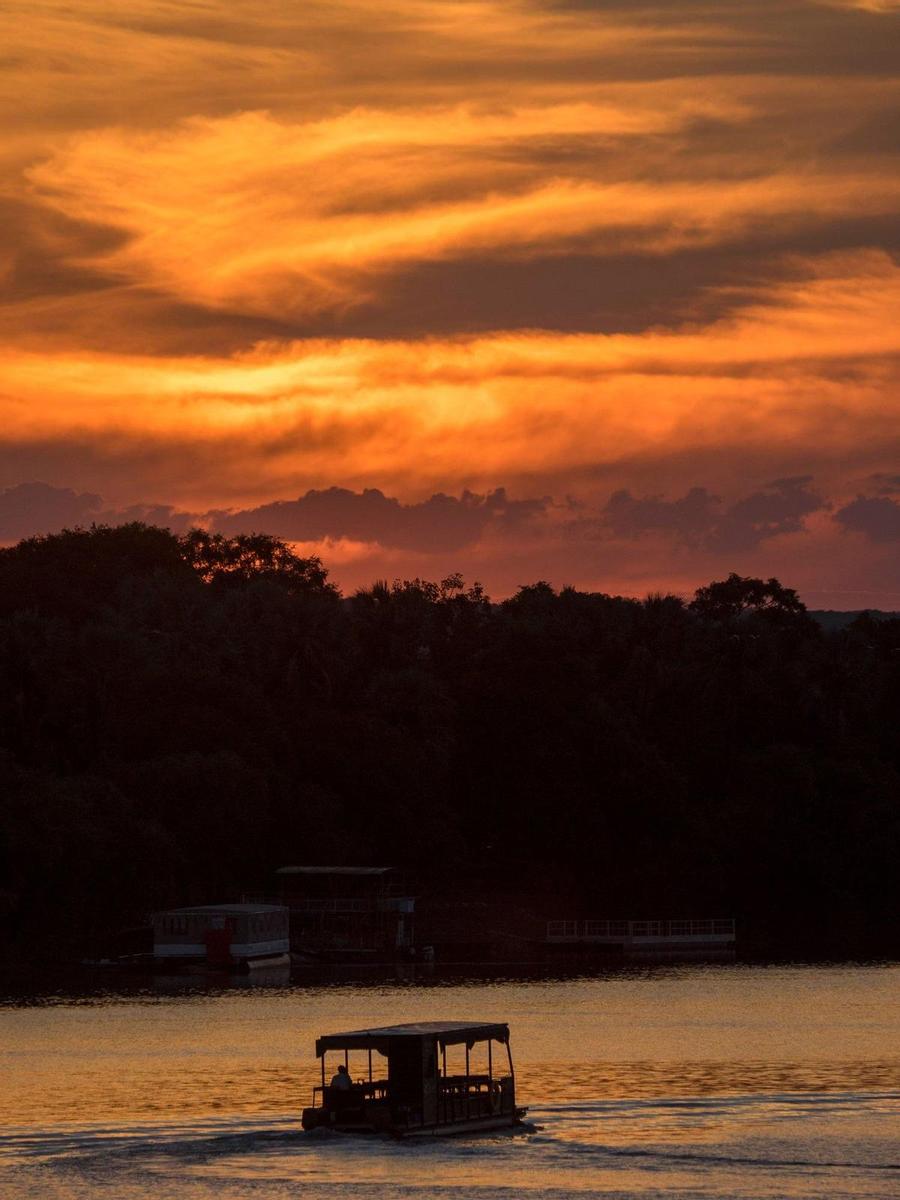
[(467, 411), (250, 214), (562, 247)]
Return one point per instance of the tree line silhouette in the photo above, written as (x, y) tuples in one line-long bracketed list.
[(181, 715)]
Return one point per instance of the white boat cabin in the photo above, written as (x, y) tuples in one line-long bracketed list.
[(223, 934)]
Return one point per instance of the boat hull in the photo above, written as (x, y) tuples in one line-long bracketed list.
[(458, 1128), (483, 1124)]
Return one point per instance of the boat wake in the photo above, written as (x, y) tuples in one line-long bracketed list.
[(841, 1145)]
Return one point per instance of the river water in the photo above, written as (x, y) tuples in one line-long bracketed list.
[(696, 1081)]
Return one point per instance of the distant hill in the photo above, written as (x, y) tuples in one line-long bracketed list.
[(832, 620)]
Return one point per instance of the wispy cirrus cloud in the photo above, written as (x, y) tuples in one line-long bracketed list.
[(795, 381), (247, 215), (576, 247)]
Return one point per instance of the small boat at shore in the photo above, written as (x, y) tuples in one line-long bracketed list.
[(413, 1093)]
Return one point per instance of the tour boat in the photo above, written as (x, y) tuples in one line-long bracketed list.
[(416, 1095)]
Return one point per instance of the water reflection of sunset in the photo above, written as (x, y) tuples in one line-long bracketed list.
[(711, 1080), (645, 1035)]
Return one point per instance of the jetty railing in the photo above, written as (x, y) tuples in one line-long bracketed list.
[(717, 928)]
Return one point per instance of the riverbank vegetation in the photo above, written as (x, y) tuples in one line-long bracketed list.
[(179, 716)]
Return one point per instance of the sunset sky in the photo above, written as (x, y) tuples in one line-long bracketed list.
[(598, 291)]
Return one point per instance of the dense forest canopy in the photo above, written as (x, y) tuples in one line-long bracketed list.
[(181, 715)]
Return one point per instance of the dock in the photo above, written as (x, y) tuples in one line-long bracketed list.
[(712, 937)]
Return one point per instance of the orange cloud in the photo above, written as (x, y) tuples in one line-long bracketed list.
[(810, 367), (428, 246), (255, 215)]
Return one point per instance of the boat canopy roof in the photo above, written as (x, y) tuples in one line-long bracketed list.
[(446, 1033)]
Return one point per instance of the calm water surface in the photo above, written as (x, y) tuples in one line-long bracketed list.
[(701, 1081)]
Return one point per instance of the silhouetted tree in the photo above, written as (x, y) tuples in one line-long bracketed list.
[(732, 597), (247, 557)]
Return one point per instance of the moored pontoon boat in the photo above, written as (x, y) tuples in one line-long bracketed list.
[(418, 1095)]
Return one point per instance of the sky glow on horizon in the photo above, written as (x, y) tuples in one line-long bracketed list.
[(617, 280)]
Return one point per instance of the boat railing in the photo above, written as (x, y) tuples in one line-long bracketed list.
[(464, 1097), (465, 1083)]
